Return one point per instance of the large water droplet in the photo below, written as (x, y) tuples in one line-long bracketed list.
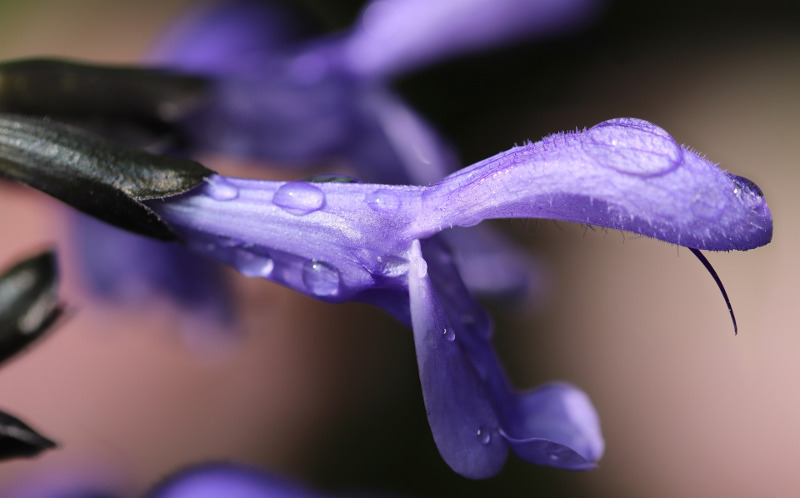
[(484, 436), (383, 201), (299, 198), (449, 334), (253, 263), (321, 278), (220, 189), (632, 146)]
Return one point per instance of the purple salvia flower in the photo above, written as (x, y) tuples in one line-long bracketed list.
[(379, 244)]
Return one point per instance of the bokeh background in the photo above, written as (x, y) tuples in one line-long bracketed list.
[(329, 395)]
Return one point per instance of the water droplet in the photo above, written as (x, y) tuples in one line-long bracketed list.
[(744, 185), (321, 278), (383, 201), (392, 266), (220, 189), (329, 178), (299, 198), (484, 436), (449, 334), (632, 146), (554, 457), (253, 263), (422, 270)]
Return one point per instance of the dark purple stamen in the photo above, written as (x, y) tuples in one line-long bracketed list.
[(713, 273)]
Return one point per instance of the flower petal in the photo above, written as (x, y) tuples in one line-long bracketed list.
[(460, 412), (396, 35), (126, 267), (554, 425), (624, 173), (233, 36)]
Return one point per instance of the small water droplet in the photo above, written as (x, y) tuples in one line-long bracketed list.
[(321, 278), (422, 270), (220, 189), (449, 335), (253, 263), (554, 457), (299, 198), (744, 185), (392, 266), (383, 201), (632, 146), (484, 436), (329, 178)]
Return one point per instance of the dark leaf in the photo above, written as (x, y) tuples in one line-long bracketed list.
[(93, 175), (28, 303), (132, 105), (18, 440), (63, 89)]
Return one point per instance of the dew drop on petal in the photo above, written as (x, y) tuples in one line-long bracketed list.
[(484, 436), (253, 264), (299, 198), (383, 201), (392, 266), (320, 278), (632, 146), (744, 185), (422, 269), (220, 189), (449, 335)]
